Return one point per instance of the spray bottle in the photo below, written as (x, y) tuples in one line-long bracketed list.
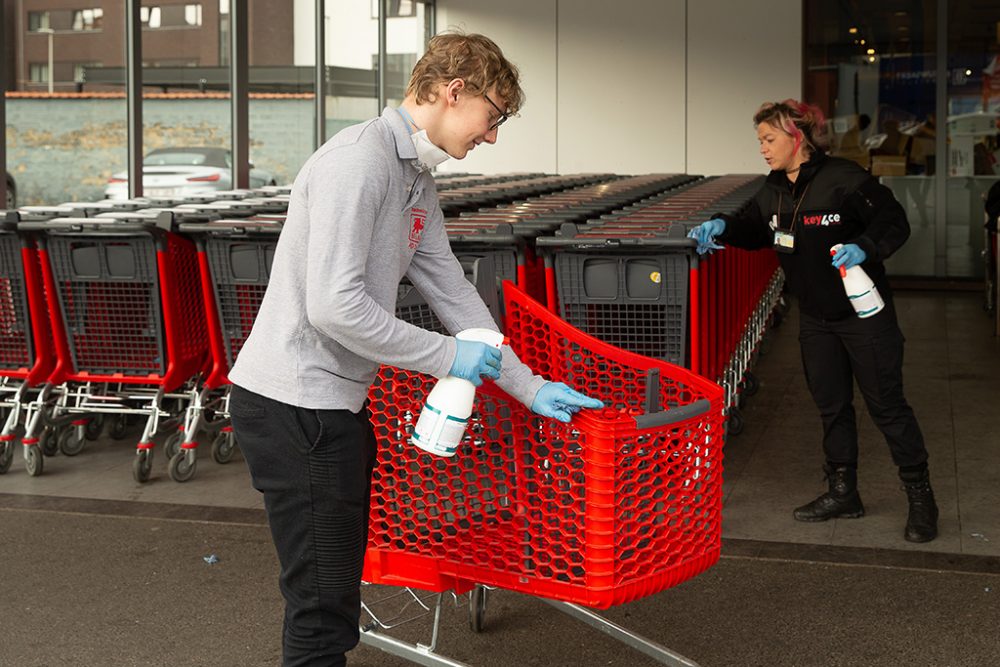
[(442, 422), (860, 289)]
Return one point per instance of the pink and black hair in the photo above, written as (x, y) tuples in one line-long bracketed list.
[(801, 121)]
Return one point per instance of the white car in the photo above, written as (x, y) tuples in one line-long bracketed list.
[(182, 171)]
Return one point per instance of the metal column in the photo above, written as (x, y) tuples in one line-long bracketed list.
[(3, 115), (320, 84), (383, 10), (239, 89), (941, 144), (133, 95)]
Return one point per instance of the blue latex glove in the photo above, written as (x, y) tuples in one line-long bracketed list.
[(473, 360), (558, 401), (705, 234), (849, 255)]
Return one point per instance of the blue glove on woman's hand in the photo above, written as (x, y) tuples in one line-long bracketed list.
[(474, 360), (558, 401), (849, 255), (705, 234)]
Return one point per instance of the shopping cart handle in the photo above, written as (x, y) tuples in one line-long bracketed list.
[(673, 415)]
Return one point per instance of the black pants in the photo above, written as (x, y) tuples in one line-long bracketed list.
[(834, 354), (314, 468)]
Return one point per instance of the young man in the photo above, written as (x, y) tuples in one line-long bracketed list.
[(364, 212)]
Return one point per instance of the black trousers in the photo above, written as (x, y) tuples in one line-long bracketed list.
[(834, 354), (314, 468)]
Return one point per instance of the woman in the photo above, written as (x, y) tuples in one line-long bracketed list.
[(809, 203)]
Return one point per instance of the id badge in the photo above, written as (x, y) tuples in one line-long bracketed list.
[(784, 241)]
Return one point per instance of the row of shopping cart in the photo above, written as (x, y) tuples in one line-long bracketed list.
[(633, 278), (118, 309)]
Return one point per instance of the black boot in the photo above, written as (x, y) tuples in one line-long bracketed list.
[(840, 502), (921, 522)]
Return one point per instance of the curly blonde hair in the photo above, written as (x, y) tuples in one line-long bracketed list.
[(804, 122), (476, 59)]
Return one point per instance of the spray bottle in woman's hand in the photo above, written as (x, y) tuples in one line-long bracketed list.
[(860, 289)]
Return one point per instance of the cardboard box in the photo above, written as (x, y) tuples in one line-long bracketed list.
[(888, 165), (858, 155)]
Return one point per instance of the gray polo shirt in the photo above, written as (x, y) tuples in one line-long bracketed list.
[(361, 216)]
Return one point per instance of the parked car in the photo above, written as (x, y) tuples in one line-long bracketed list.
[(11, 202), (184, 170)]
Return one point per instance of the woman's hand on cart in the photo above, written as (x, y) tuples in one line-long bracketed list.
[(558, 401), (705, 234)]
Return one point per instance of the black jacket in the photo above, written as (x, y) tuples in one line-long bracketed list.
[(842, 203)]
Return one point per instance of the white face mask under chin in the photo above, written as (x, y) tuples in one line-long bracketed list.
[(428, 154)]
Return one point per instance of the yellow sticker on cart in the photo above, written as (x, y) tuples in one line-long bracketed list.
[(655, 277)]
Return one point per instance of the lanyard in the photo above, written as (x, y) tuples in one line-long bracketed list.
[(795, 210)]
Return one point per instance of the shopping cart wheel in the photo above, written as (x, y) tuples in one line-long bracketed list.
[(477, 608), (750, 384), (48, 440), (172, 446), (94, 427), (118, 427), (34, 461), (6, 456), (223, 447), (734, 426), (71, 440), (142, 465), (182, 465)]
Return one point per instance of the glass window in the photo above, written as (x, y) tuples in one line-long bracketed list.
[(396, 8), (65, 148), (80, 71), (88, 19), (871, 68), (282, 106), (171, 16), (38, 73), (351, 40), (186, 107), (37, 21), (973, 104), (406, 40), (57, 19)]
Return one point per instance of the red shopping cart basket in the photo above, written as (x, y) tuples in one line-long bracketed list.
[(619, 504), (26, 343)]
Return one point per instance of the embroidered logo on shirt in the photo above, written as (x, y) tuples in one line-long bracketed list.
[(824, 220), (418, 218)]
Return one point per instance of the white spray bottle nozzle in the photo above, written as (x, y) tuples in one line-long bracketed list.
[(833, 251)]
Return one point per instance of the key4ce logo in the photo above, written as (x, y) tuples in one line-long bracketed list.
[(821, 219)]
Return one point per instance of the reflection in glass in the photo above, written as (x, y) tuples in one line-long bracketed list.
[(873, 69), (63, 146), (973, 104), (406, 38), (282, 88)]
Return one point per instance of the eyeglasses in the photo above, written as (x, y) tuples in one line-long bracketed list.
[(503, 115)]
